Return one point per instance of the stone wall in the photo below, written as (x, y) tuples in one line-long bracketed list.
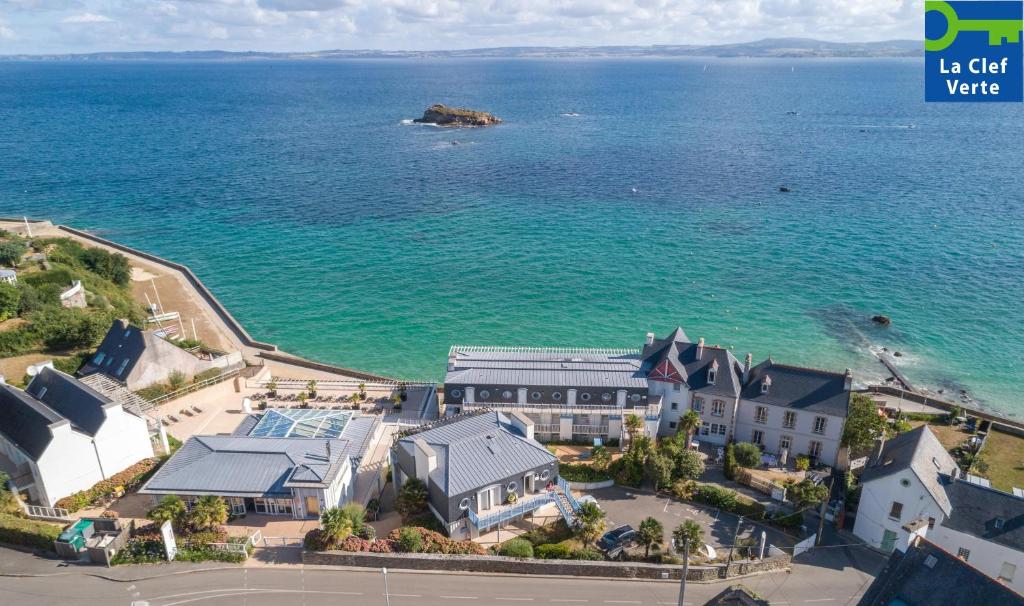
[(591, 485), (498, 564)]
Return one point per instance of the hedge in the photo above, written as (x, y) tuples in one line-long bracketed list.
[(516, 548), (578, 472), (30, 533), (552, 551)]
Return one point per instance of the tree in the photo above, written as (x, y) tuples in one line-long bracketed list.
[(170, 509), (651, 532), (208, 512), (863, 424), (600, 458), (633, 423), (688, 531), (362, 391), (806, 493), (747, 454), (412, 497), (589, 522), (357, 514), (688, 423), (730, 461), (311, 386), (336, 525), (10, 301), (112, 266), (658, 469), (272, 388), (11, 252), (689, 465)]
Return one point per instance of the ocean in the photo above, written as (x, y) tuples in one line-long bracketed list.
[(327, 224)]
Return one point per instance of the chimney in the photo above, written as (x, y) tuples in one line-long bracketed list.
[(452, 361), (848, 380), (700, 348), (426, 460), (747, 361), (522, 424), (650, 339)]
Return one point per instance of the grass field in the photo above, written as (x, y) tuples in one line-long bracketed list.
[(1005, 456)]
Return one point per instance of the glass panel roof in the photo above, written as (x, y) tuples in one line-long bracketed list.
[(299, 423)]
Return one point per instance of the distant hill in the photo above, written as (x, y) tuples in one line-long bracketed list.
[(769, 47)]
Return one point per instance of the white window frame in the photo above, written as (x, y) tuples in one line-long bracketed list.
[(717, 408), (757, 437), (789, 419), (814, 449), (761, 415), (896, 507), (697, 405), (785, 442), (823, 422)]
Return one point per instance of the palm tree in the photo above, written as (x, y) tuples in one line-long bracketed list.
[(170, 509), (633, 425), (208, 512), (589, 522), (311, 386), (272, 387), (651, 533), (412, 497), (689, 423), (689, 532), (336, 524), (362, 391)]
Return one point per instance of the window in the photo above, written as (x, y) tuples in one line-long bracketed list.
[(120, 369), (484, 394), (766, 384), (718, 429), (506, 394), (544, 475), (785, 443), (758, 437), (583, 396), (718, 408), (98, 358), (675, 405), (606, 396), (819, 424), (963, 553), (761, 415), (456, 393), (705, 429), (42, 392), (1007, 571), (896, 510), (712, 375), (511, 487), (698, 404), (672, 425), (556, 396), (814, 449), (537, 395), (464, 504), (635, 397), (1000, 522), (931, 523), (789, 419), (677, 386)]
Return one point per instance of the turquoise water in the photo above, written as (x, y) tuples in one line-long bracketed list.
[(328, 226)]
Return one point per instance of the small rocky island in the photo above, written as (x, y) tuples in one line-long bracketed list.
[(442, 115)]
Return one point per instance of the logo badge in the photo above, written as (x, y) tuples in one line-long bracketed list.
[(973, 51)]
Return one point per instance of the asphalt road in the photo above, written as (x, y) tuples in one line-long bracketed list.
[(299, 586)]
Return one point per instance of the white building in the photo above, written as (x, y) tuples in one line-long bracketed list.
[(911, 488), (8, 276), (59, 436)]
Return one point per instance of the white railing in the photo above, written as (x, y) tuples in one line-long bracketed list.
[(547, 427), (224, 376), (281, 541), (590, 429), (53, 513), (508, 512)]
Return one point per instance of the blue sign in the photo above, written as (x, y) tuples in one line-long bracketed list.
[(973, 51)]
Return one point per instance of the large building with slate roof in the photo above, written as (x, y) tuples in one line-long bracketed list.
[(59, 436), (911, 488), (475, 467), (139, 358), (927, 575), (294, 465), (580, 394)]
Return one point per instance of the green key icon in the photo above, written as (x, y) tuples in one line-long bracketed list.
[(999, 30)]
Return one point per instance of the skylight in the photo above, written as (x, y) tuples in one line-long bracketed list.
[(298, 423)]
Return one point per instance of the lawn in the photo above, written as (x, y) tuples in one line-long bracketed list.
[(1005, 456), (950, 437)]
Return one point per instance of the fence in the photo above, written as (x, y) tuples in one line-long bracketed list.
[(509, 512), (48, 513), (167, 397), (567, 489), (772, 489)]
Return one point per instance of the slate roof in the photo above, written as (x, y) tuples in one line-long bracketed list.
[(248, 466), (798, 388), (976, 510), (477, 451), (547, 367), (70, 398), (121, 342), (928, 576), (26, 421), (919, 451), (681, 355)]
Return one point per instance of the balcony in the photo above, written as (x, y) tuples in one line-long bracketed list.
[(547, 427), (590, 430), (504, 513)]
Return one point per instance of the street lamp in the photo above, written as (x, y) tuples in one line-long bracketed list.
[(739, 524), (686, 567), (387, 597)]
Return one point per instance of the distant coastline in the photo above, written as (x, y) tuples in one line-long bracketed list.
[(785, 48)]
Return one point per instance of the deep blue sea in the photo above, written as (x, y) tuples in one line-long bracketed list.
[(328, 226)]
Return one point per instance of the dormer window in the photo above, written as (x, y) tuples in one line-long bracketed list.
[(766, 384), (713, 372), (1000, 522)]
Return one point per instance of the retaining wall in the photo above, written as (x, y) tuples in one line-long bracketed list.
[(591, 485), (577, 568), (945, 405)]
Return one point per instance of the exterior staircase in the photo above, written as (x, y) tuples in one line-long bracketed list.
[(566, 503)]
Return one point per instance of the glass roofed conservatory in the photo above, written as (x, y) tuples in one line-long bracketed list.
[(298, 423)]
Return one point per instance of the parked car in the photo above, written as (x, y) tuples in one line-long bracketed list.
[(614, 541)]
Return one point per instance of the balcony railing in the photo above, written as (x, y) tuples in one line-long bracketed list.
[(504, 513), (592, 430), (547, 427)]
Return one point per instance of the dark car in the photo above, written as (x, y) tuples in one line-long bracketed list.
[(614, 541)]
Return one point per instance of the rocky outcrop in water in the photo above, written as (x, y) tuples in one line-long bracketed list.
[(442, 115), (882, 320)]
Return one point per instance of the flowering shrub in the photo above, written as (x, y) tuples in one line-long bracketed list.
[(103, 489)]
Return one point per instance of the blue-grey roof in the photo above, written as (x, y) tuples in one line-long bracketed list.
[(547, 367), (799, 388), (925, 575), (248, 466), (26, 421), (919, 451), (681, 355), (70, 398), (986, 513), (7, 272), (477, 451), (122, 342)]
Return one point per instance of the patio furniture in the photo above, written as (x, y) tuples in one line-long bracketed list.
[(197, 409)]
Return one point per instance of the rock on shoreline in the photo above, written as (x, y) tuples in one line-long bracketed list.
[(442, 115)]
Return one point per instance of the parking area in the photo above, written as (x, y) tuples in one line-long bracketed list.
[(626, 506)]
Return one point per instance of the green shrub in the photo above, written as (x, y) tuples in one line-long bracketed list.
[(722, 498), (30, 533), (553, 551), (586, 553), (578, 472), (730, 462), (516, 548), (802, 463), (793, 520), (747, 454), (409, 541), (210, 373)]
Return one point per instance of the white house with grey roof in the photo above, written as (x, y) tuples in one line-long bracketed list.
[(911, 487), (481, 469), (293, 462), (59, 436)]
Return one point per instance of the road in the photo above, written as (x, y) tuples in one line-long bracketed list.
[(302, 586)]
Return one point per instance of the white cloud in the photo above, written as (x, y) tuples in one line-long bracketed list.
[(87, 18), (6, 33)]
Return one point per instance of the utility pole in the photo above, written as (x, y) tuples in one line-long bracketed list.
[(821, 512), (739, 524), (387, 596), (686, 569)]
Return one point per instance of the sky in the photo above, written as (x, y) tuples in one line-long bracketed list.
[(79, 26)]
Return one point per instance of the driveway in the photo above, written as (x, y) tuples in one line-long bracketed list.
[(627, 506)]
